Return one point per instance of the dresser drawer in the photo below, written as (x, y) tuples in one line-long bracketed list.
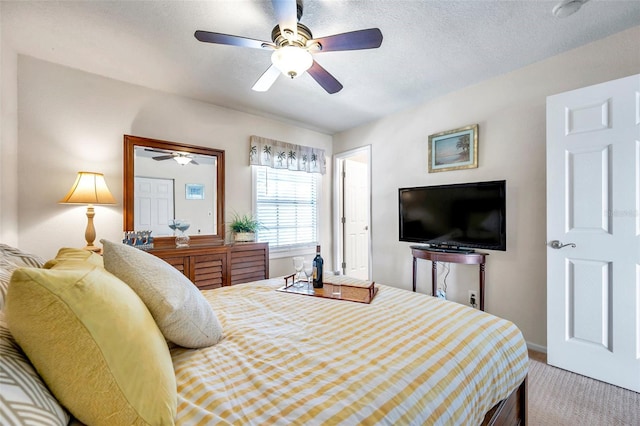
[(209, 270), (215, 266)]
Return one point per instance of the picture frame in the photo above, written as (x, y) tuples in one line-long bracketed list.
[(194, 191), (453, 150)]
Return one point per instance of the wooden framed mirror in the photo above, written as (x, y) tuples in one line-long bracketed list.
[(167, 180)]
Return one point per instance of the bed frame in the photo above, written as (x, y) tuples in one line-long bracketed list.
[(511, 411)]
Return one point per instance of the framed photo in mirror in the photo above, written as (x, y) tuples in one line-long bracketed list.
[(194, 191)]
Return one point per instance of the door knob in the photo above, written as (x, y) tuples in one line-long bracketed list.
[(555, 244)]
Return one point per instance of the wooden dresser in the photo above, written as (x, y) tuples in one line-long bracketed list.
[(215, 266)]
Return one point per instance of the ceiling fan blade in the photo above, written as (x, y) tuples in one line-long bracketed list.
[(267, 79), (355, 40), (324, 79), (163, 157), (194, 162), (287, 15), (231, 40)]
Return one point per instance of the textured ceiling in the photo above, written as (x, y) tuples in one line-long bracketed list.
[(430, 48)]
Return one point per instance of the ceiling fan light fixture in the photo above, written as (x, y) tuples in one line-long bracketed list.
[(182, 160), (567, 8), (292, 61)]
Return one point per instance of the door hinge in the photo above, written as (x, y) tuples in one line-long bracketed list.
[(344, 265), (343, 220)]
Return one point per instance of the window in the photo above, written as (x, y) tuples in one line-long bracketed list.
[(286, 203)]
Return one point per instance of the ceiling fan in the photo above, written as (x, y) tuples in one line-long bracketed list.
[(180, 157), (293, 46)]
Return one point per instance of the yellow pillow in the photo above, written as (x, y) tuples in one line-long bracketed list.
[(94, 343), (80, 257)]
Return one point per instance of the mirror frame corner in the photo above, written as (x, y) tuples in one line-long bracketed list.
[(130, 142)]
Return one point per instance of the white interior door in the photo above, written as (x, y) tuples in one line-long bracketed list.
[(356, 219), (593, 201), (153, 205)]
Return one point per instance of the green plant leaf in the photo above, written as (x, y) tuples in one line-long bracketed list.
[(245, 223)]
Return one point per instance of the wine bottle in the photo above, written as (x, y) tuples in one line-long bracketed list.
[(318, 263)]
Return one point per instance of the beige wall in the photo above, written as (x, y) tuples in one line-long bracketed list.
[(510, 111), (71, 120), (8, 144)]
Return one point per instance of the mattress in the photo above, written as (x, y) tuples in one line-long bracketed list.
[(405, 358)]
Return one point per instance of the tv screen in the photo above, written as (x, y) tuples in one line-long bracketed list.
[(458, 216)]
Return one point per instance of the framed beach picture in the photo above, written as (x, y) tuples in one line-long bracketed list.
[(454, 150)]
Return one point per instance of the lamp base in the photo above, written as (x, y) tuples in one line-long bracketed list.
[(93, 248), (90, 232)]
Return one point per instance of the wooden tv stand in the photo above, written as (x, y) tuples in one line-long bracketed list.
[(474, 258)]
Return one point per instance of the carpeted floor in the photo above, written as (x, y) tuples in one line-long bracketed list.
[(558, 397)]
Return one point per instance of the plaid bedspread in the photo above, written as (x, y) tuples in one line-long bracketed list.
[(406, 358)]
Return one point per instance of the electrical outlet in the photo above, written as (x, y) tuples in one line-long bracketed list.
[(473, 298)]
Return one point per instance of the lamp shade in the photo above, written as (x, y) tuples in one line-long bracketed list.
[(89, 188), (292, 61)]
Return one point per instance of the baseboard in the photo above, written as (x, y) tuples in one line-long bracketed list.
[(537, 348)]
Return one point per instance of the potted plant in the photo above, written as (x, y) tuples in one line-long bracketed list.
[(244, 227)]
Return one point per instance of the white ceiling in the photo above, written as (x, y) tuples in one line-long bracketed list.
[(430, 48)]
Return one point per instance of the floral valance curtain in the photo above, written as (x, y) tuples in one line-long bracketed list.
[(283, 155)]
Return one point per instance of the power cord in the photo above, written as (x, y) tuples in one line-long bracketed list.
[(442, 292)]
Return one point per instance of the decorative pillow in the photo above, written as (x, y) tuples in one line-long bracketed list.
[(79, 257), (25, 398), (6, 269), (94, 343), (11, 259), (19, 257), (183, 315)]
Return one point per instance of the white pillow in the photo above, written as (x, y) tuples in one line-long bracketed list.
[(183, 315), (25, 398)]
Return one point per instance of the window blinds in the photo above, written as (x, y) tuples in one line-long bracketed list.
[(286, 205)]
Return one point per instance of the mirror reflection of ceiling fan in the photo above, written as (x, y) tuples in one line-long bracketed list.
[(181, 158), (293, 46)]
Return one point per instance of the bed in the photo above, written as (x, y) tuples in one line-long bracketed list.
[(405, 358)]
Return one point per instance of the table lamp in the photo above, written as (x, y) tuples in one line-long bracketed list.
[(89, 188)]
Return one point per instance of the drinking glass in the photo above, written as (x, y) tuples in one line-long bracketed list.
[(172, 226), (308, 271), (298, 264), (336, 291)]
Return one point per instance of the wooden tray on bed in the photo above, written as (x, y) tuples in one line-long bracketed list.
[(353, 289)]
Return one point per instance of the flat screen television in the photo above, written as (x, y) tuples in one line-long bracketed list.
[(457, 217)]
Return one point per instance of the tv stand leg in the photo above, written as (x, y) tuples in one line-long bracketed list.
[(414, 274), (481, 287), (434, 278)]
